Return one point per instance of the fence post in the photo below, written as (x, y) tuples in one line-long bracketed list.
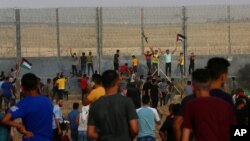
[(229, 30), (18, 46), (58, 34), (98, 38), (18, 35), (142, 31), (184, 28)]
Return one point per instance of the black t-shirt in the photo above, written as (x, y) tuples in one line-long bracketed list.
[(146, 87), (83, 60), (134, 94), (184, 103), (116, 60), (223, 95), (191, 60), (111, 116), (154, 91), (167, 126), (241, 116)]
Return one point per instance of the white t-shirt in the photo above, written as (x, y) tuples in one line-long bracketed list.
[(168, 57), (57, 113), (83, 118)]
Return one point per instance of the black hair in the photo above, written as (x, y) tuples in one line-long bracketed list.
[(117, 50), (239, 101), (217, 66), (189, 82), (48, 80), (97, 79), (201, 78), (109, 78), (75, 106), (233, 78), (83, 53), (176, 108), (29, 81), (145, 99)]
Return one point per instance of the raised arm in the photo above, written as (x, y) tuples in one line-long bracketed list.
[(160, 51), (174, 48), (71, 52), (152, 50)]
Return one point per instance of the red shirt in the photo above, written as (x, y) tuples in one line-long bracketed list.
[(84, 83), (148, 56), (123, 68), (210, 118)]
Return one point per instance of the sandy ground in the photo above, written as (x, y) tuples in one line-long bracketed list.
[(75, 98)]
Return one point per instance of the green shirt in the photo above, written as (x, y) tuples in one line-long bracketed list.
[(89, 59)]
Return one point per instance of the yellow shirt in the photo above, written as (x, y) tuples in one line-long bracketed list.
[(61, 83), (182, 60), (155, 58), (135, 62), (95, 94)]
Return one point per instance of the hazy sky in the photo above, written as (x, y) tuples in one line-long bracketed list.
[(112, 3)]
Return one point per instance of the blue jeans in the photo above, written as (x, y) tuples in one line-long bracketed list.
[(146, 138), (82, 136), (83, 68), (74, 135)]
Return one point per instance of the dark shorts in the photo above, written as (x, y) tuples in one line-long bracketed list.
[(146, 138)]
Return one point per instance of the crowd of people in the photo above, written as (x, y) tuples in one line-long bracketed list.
[(121, 105)]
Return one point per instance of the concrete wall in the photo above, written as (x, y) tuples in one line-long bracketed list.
[(48, 67)]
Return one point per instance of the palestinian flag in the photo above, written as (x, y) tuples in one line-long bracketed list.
[(180, 37), (25, 64)]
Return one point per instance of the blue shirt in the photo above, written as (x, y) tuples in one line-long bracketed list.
[(36, 113), (6, 88), (72, 119), (168, 57), (147, 118)]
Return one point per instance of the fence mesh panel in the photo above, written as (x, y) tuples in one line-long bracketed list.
[(38, 32), (7, 33)]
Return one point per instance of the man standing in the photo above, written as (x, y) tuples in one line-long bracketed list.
[(90, 63), (113, 117), (148, 60), (135, 63), (84, 85), (206, 112), (191, 65), (147, 117), (218, 68), (57, 120), (55, 87), (61, 86), (116, 60), (154, 93), (74, 63), (72, 120), (83, 63), (168, 60), (36, 112), (7, 91), (181, 64), (155, 60), (95, 93)]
